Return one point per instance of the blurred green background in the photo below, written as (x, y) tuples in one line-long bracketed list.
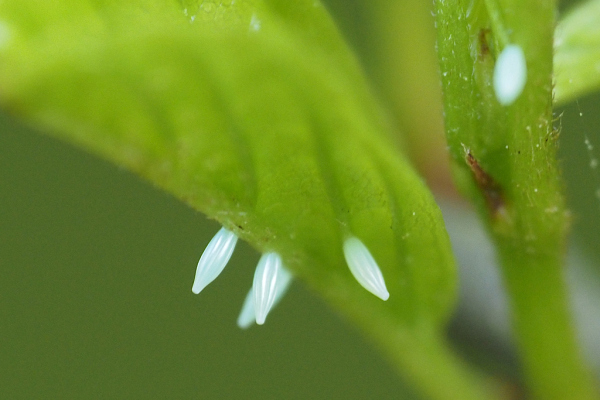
[(96, 268)]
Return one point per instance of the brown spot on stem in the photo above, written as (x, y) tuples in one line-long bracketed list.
[(491, 190), (484, 47)]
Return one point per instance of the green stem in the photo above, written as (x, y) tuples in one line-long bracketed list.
[(532, 239), (552, 362), (512, 174)]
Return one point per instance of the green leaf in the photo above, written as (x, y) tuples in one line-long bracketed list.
[(256, 114), (577, 52), (505, 160)]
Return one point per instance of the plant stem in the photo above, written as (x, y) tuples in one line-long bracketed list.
[(552, 362), (532, 240), (511, 173)]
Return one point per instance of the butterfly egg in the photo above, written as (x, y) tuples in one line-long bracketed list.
[(364, 267), (214, 259), (268, 272), (510, 74), (248, 315)]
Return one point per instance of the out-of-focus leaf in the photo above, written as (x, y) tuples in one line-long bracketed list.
[(577, 52)]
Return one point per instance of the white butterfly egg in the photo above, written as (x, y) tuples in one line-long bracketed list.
[(510, 74), (214, 259), (364, 267), (248, 314)]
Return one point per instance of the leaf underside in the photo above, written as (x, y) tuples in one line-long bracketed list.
[(253, 113)]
